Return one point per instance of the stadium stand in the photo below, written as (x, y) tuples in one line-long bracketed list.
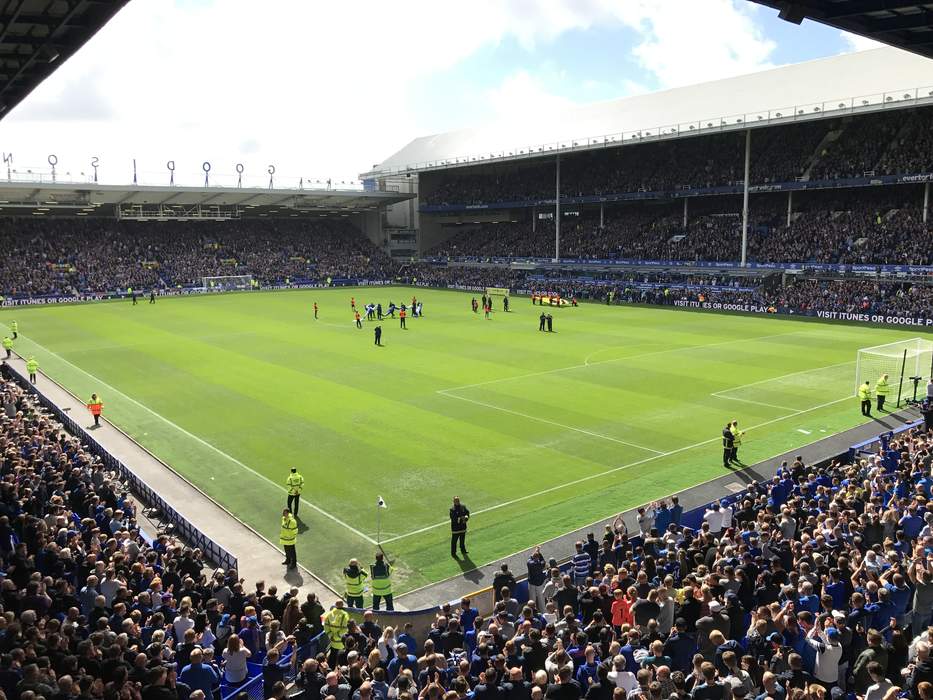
[(56, 256), (51, 258), (843, 230), (890, 143)]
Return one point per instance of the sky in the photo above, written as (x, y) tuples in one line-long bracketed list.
[(328, 89)]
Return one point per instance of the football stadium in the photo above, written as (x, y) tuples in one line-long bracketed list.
[(631, 401)]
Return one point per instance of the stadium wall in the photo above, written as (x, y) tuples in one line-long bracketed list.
[(370, 225)]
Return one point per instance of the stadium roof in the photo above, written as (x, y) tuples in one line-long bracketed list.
[(20, 198), (906, 25), (37, 36), (874, 80)]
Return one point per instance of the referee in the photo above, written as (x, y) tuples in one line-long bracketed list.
[(459, 515)]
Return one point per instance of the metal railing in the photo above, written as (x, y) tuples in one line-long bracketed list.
[(858, 104), (148, 496)]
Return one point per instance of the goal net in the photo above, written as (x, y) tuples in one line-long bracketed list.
[(900, 361), (226, 283)]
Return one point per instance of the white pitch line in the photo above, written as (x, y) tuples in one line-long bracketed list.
[(785, 376), (619, 359), (177, 427), (717, 395), (612, 471), (550, 422)]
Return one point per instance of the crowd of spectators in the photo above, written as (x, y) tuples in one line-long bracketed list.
[(850, 230), (888, 143), (66, 256)]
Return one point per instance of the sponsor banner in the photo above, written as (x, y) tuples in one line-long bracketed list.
[(178, 292), (591, 262), (884, 319)]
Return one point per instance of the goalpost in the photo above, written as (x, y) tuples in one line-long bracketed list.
[(900, 360), (227, 283)]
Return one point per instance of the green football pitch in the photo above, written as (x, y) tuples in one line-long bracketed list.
[(539, 433)]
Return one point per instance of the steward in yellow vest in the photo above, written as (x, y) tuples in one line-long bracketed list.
[(864, 396), (288, 537), (881, 390), (736, 440), (381, 582), (336, 625), (294, 484), (354, 578)]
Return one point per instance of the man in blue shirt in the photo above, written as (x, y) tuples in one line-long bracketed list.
[(900, 593), (911, 523), (662, 517), (586, 673), (408, 639), (680, 647), (537, 577), (836, 589), (467, 614), (677, 511), (199, 676), (883, 610), (402, 660)]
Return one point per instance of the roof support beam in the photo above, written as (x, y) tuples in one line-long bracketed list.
[(855, 8), (7, 23), (893, 24)]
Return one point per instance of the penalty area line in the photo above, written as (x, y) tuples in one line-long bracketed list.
[(200, 440), (587, 363), (611, 471)]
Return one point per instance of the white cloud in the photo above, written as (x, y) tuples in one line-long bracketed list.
[(685, 41), (322, 89), (522, 96)]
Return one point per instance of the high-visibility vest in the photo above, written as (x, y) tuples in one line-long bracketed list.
[(381, 579), (354, 583), (335, 626), (864, 393), (8, 343), (32, 366), (881, 387), (14, 326), (95, 407), (289, 532), (295, 482), (736, 435)]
